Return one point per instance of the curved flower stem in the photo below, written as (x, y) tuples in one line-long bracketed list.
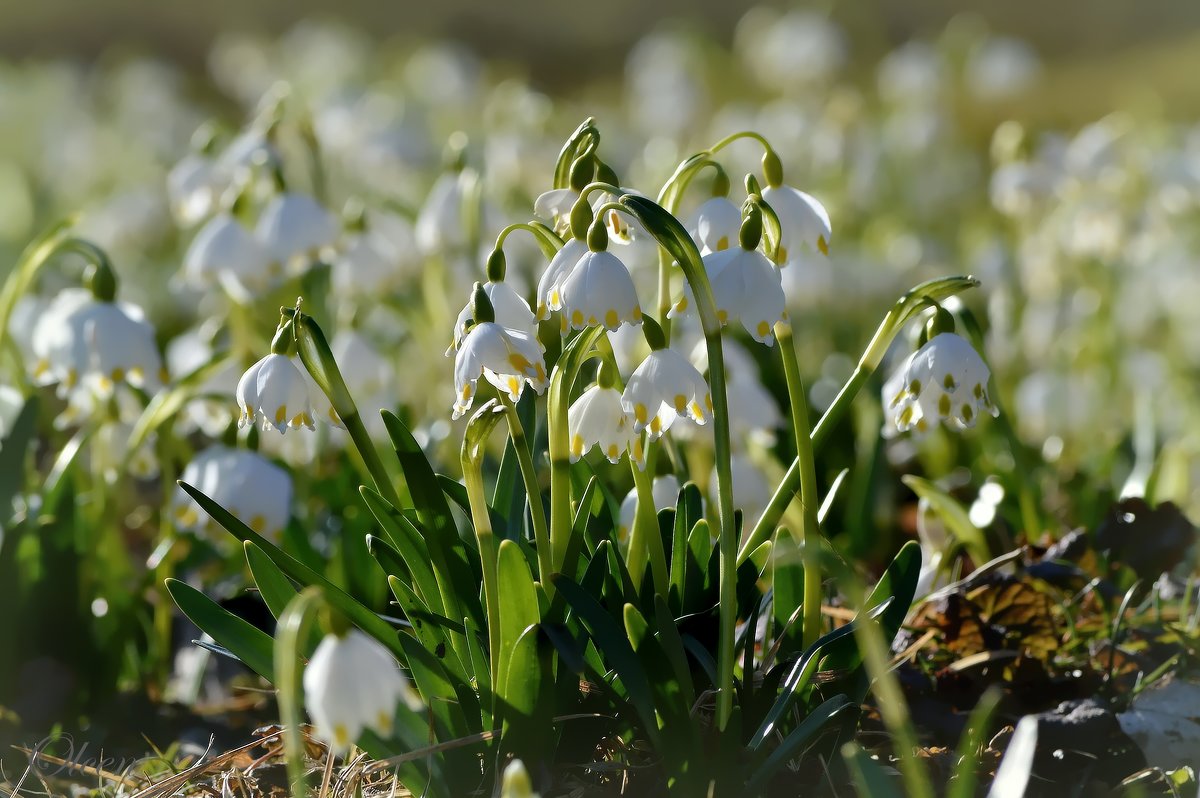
[(541, 532), (810, 529), (741, 134), (904, 309), (671, 236), (547, 240)]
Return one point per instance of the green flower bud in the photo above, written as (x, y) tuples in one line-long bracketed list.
[(497, 265), (653, 333), (772, 169), (481, 307), (597, 236)]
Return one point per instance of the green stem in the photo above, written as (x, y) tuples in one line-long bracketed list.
[(905, 308), (741, 134), (810, 529), (294, 629), (473, 479), (541, 532), (645, 540), (547, 240)]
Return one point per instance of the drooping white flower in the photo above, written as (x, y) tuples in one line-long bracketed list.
[(803, 219), (252, 488), (664, 387), (599, 291), (193, 187), (507, 358), (353, 683), (226, 252), (555, 206), (598, 418), (208, 411), (293, 229), (945, 380), (512, 312), (664, 489), (715, 224), (82, 339), (549, 290), (275, 391), (745, 287), (440, 226)]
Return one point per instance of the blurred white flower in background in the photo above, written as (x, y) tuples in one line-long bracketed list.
[(253, 489)]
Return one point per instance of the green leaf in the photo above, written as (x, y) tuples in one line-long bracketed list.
[(689, 509), (800, 737), (426, 627), (446, 549), (518, 604), (953, 515), (273, 585), (359, 615), (869, 776), (697, 585), (614, 647), (12, 455), (248, 643), (408, 544), (528, 701), (802, 672), (672, 645)]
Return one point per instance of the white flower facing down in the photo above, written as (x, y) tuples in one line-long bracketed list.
[(193, 188), (512, 312), (598, 418), (803, 219), (225, 252), (353, 683), (80, 339), (555, 206), (507, 358), (745, 287), (293, 229), (599, 291), (715, 225), (663, 388), (275, 391), (251, 487), (549, 290), (945, 380)]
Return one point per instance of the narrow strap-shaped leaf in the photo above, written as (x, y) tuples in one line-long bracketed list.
[(482, 676), (12, 454), (528, 704), (358, 614), (800, 737), (702, 656), (672, 646), (612, 643), (456, 492), (408, 544), (247, 642), (688, 510), (446, 549), (431, 635), (869, 776), (273, 585), (518, 605), (438, 689), (697, 582), (802, 672)]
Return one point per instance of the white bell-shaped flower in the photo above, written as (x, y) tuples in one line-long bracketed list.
[(353, 683), (507, 358), (275, 391), (293, 229), (803, 220), (664, 387), (943, 381), (512, 312), (80, 338), (226, 252), (745, 287), (549, 289), (252, 488), (599, 291), (555, 206), (516, 782), (440, 228), (193, 187), (598, 418), (715, 224)]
